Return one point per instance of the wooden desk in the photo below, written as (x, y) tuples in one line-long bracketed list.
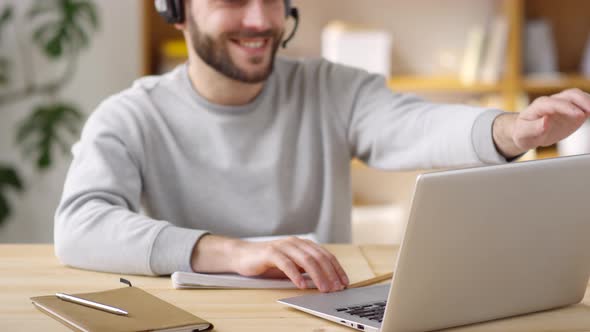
[(30, 270)]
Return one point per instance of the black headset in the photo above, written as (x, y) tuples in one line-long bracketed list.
[(173, 12)]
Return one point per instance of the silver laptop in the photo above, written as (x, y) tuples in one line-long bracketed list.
[(480, 244)]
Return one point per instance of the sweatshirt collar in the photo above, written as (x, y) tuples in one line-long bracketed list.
[(202, 101)]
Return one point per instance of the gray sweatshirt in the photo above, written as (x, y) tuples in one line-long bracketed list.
[(278, 165)]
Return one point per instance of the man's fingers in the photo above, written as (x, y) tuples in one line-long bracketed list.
[(339, 269), (293, 256), (290, 269), (550, 119), (576, 96), (324, 261), (551, 106), (309, 263)]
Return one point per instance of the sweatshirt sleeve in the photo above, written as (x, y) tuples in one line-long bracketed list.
[(98, 223), (395, 131)]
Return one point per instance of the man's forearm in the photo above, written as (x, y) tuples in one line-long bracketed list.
[(502, 132)]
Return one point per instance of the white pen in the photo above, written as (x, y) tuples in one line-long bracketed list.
[(91, 304)]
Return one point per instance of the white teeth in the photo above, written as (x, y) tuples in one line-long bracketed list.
[(256, 44)]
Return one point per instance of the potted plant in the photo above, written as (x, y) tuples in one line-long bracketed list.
[(61, 30)]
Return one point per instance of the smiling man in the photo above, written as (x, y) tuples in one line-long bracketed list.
[(237, 143)]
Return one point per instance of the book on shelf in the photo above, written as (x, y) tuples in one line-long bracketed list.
[(540, 49), (473, 54), (495, 52), (485, 52), (586, 60)]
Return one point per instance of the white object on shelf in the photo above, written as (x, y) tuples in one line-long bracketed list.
[(472, 57), (576, 143), (362, 48), (540, 49), (495, 52)]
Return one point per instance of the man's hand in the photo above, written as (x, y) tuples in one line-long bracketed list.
[(546, 121), (274, 259)]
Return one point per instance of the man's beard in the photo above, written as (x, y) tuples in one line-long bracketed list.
[(215, 52)]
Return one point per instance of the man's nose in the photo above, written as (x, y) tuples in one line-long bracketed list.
[(257, 17)]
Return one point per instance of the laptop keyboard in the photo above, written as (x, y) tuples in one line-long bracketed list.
[(373, 311)]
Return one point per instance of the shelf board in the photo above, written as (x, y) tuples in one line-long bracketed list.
[(554, 85), (439, 84), (548, 152)]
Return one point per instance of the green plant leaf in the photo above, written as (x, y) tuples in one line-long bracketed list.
[(41, 7), (4, 71), (9, 179), (67, 28), (47, 128), (5, 210), (5, 17)]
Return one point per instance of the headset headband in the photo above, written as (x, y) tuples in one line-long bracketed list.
[(173, 10)]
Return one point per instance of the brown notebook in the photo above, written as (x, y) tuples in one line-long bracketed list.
[(146, 312)]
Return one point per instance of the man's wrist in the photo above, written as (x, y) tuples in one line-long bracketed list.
[(214, 254), (502, 133)]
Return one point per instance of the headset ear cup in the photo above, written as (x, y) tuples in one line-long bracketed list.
[(163, 9), (171, 10), (178, 11)]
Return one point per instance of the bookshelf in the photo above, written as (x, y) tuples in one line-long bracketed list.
[(568, 18), (571, 28)]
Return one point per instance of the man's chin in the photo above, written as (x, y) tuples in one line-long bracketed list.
[(252, 64), (254, 77), (255, 73)]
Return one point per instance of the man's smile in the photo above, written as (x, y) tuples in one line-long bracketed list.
[(252, 46)]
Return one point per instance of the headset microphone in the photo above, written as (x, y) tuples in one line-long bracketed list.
[(295, 14)]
